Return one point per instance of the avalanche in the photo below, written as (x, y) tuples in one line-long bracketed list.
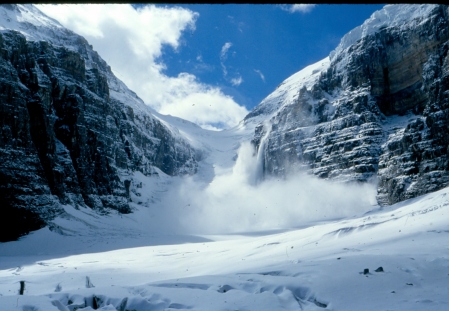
[(294, 244)]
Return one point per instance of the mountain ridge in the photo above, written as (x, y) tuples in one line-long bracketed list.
[(368, 111)]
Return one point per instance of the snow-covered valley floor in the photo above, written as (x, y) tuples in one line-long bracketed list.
[(309, 252), (313, 268)]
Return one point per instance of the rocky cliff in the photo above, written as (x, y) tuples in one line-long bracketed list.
[(377, 108), (71, 132)]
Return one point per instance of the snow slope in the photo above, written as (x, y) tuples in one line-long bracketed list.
[(388, 16), (314, 268), (287, 92)]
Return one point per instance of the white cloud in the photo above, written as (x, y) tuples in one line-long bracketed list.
[(131, 42), (225, 70), (239, 25), (237, 81), (303, 8), (260, 74), (202, 104), (224, 50)]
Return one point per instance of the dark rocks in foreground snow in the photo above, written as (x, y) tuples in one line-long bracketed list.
[(380, 269)]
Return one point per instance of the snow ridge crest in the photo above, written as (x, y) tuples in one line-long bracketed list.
[(391, 15)]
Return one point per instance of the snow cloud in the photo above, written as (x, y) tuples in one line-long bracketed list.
[(302, 8), (131, 41), (238, 201)]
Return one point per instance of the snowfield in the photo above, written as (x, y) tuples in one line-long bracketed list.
[(314, 268)]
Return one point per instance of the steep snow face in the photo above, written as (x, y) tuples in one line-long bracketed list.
[(26, 19), (403, 17), (36, 26), (287, 92)]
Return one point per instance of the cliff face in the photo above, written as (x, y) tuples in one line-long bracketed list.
[(377, 108), (71, 133)]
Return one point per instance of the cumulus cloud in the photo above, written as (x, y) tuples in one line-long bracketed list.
[(302, 8), (202, 104), (131, 41)]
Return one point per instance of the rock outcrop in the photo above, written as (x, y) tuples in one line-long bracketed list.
[(71, 132), (378, 108)]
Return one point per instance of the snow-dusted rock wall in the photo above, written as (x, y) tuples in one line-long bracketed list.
[(378, 108), (71, 132)]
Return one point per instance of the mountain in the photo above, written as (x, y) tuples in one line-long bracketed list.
[(71, 132), (375, 109), (134, 210)]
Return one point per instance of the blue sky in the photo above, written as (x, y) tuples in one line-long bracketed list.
[(267, 44), (210, 64)]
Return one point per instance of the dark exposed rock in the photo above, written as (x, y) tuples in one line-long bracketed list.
[(319, 304), (380, 269), (380, 110), (65, 140)]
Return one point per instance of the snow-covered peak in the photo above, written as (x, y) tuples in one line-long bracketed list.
[(393, 15), (403, 15), (287, 92), (32, 23), (20, 13)]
